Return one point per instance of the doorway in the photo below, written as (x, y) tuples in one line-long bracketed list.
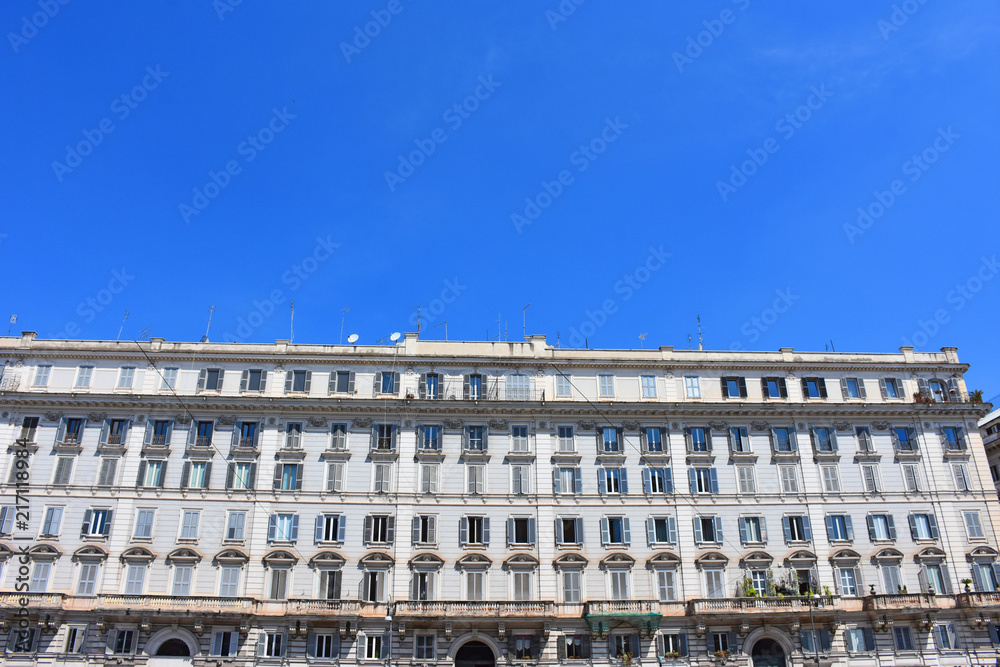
[(767, 653), (475, 654)]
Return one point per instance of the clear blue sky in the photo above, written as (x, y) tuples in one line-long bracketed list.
[(626, 125)]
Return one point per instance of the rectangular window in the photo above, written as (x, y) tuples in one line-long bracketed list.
[(225, 643), (254, 379), (283, 528), (424, 529), (88, 579), (864, 436), (203, 433), (380, 529), (518, 387), (431, 386), (338, 434), (945, 636), (210, 379), (522, 647), (52, 521), (813, 388), (474, 586), (692, 387), (648, 386), (564, 387), (911, 479), (96, 523), (474, 387), (330, 528), (661, 530), (905, 439), (429, 473), (161, 433), (387, 385), (298, 381), (383, 478), (144, 524), (703, 480), (697, 440), (606, 386), (891, 388), (236, 525), (39, 582), (520, 531), (247, 434), (745, 479), (773, 387), (279, 583), (522, 586), (476, 440), (64, 470), (838, 527), (739, 439), (287, 476), (567, 480), (519, 438), (569, 531), (182, 580), (520, 479), (954, 438), (881, 527), (241, 475), (824, 439), (566, 442), (973, 525), (714, 583), (869, 474), (658, 480), (961, 474), (42, 376), (666, 591), (474, 530), (189, 524), (831, 478), (813, 641), (343, 382), (902, 637), (83, 376), (619, 584), (29, 426), (424, 648), (783, 439), (752, 529), (848, 578), (890, 580), (734, 387), (571, 586), (789, 479), (609, 440), (652, 437), (853, 388), (74, 431), (707, 529), (430, 438), (274, 645), (476, 478), (330, 584), (229, 581), (615, 530), (293, 435), (135, 579), (797, 528), (169, 380), (124, 641), (610, 480), (75, 638), (125, 377)]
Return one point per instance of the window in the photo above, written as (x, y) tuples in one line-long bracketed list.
[(293, 435), (39, 582), (904, 439), (715, 586), (903, 638), (430, 386), (386, 383), (182, 580), (330, 528), (973, 525), (96, 523), (935, 389), (569, 530), (429, 473), (518, 387), (123, 642), (564, 386), (606, 386), (158, 433), (839, 527), (848, 581), (226, 643), (144, 524), (954, 438), (475, 438), (891, 387), (520, 531), (474, 530), (859, 640), (424, 529), (64, 469), (789, 479), (824, 439), (429, 438), (521, 582), (934, 578), (574, 647), (703, 480), (298, 381), (7, 515), (745, 479), (674, 644), (881, 527), (330, 584), (72, 431), (254, 379), (652, 438), (891, 581), (815, 640), (246, 434), (382, 482), (135, 579), (618, 580), (566, 442), (52, 521), (923, 527), (734, 387), (338, 438), (666, 590), (797, 528), (272, 645), (424, 648), (203, 433), (783, 439), (287, 476), (520, 479), (739, 440), (571, 586), (474, 387), (752, 529), (813, 388), (75, 638), (83, 376), (125, 377), (189, 524), (567, 480), (615, 530), (342, 382), (773, 387), (869, 474), (911, 477), (87, 583), (380, 529), (476, 479), (42, 376), (696, 439), (648, 386), (864, 435), (986, 577), (241, 475), (612, 480), (279, 583), (29, 426), (475, 586), (236, 526), (945, 636), (961, 474), (608, 440), (831, 478), (210, 379), (229, 581), (852, 388), (707, 529), (169, 380), (692, 387), (283, 528), (657, 480), (519, 438)]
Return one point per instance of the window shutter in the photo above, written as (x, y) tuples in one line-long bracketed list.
[(341, 529), (892, 526), (805, 388), (623, 482), (253, 476), (913, 526), (742, 523), (234, 439), (829, 527), (202, 378), (107, 523), (161, 478), (605, 531), (230, 474), (87, 515), (276, 480), (185, 474), (311, 645), (763, 529), (147, 437), (486, 530), (734, 646), (272, 526), (806, 529), (934, 527), (105, 431), (377, 384), (713, 476), (646, 485), (578, 480), (532, 530), (871, 527), (415, 532), (683, 643), (208, 475), (318, 528), (295, 527), (843, 388), (672, 530), (217, 644), (558, 532), (626, 531), (261, 644), (561, 647), (717, 522), (510, 531), (463, 531), (350, 385), (602, 482), (763, 388), (309, 379), (244, 380), (556, 482), (289, 376), (743, 387), (390, 529), (881, 386), (698, 537), (299, 471), (850, 527), (140, 478), (922, 580), (422, 387), (668, 480), (368, 528), (822, 387), (693, 479), (787, 526), (725, 388), (977, 578), (782, 388)]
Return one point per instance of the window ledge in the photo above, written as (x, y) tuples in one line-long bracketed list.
[(826, 455), (957, 454), (700, 457), (335, 454), (785, 456), (286, 453)]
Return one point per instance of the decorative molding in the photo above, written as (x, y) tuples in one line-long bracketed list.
[(842, 427), (97, 416), (674, 425), (361, 422), (497, 423), (880, 425), (452, 423), (631, 425), (408, 423), (140, 419), (801, 426), (316, 422), (183, 420), (760, 425), (227, 420), (272, 421), (717, 426), (52, 416), (541, 424), (587, 425)]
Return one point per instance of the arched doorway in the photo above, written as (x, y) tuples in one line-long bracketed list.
[(175, 648), (475, 654), (767, 653)]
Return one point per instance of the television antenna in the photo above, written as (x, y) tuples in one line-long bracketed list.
[(642, 340), (13, 321), (445, 324), (343, 315), (211, 309), (524, 321), (144, 334), (701, 340), (122, 326), (291, 325)]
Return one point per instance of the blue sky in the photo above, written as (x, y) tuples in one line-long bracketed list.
[(622, 168)]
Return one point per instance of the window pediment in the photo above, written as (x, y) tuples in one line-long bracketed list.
[(888, 555), (427, 559), (138, 554), (845, 557), (801, 558), (471, 561), (280, 557), (664, 559), (44, 552), (521, 560), (570, 560), (377, 559), (757, 560), (328, 559), (184, 556), (231, 556), (929, 554), (710, 559), (618, 560), (90, 552), (981, 554)]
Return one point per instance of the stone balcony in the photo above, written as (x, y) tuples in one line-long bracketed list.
[(978, 600), (764, 605), (908, 602), (483, 609)]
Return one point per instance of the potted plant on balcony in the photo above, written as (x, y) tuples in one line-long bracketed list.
[(921, 397), (626, 658), (968, 585), (976, 396), (721, 657)]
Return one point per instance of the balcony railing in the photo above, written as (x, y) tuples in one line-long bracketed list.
[(623, 607), (901, 601), (764, 605), (169, 602), (33, 600), (978, 599), (483, 609)]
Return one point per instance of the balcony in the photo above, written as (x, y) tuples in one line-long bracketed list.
[(335, 607), (765, 605), (978, 600), (39, 601), (158, 603), (157, 445), (483, 609), (902, 602)]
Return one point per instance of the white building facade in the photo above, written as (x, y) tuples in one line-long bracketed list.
[(476, 503)]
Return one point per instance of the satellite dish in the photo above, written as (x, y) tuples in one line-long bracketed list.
[(394, 337), (353, 338)]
